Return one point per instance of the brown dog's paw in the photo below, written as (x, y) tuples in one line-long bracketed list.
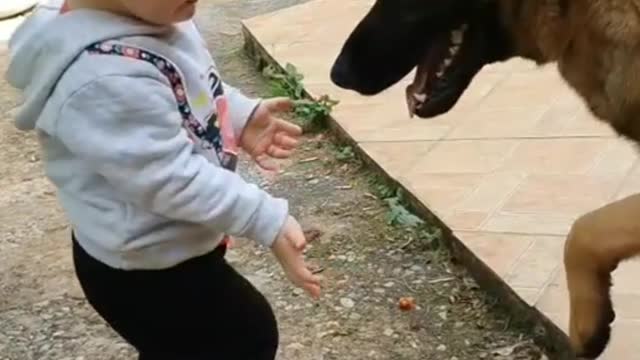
[(590, 322)]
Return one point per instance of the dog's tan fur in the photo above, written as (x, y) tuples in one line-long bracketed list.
[(596, 46)]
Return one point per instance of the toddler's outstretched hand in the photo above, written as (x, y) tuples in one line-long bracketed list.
[(288, 249), (267, 136)]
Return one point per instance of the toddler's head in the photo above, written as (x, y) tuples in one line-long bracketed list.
[(161, 12)]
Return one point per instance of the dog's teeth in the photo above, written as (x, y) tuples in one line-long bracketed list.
[(447, 62), (420, 97), (457, 36), (454, 50)]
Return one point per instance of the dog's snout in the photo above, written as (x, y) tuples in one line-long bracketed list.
[(341, 74)]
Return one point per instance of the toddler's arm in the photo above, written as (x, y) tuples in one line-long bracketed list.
[(241, 108), (128, 130)]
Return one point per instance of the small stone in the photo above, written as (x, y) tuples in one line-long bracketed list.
[(378, 291), (442, 347), (443, 315), (458, 324), (454, 358), (389, 284), (295, 346), (314, 181), (347, 303), (388, 332), (298, 291)]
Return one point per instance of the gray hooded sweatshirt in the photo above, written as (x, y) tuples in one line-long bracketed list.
[(142, 187)]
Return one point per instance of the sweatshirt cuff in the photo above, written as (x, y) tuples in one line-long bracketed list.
[(268, 221), (241, 109)]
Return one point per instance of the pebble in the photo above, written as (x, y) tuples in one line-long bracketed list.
[(347, 303), (389, 284), (388, 332), (443, 315), (295, 346), (442, 347)]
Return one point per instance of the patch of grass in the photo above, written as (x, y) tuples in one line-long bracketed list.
[(344, 153), (399, 216), (312, 113)]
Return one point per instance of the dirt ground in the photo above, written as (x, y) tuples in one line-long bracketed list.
[(368, 264)]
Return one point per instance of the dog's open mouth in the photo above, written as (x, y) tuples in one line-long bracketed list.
[(435, 87)]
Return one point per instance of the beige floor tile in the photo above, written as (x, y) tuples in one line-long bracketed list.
[(624, 341), (465, 156), (529, 223), (631, 184), (561, 320), (538, 264), (528, 295), (498, 251), (625, 278), (396, 157), (561, 194), (493, 189), (524, 89), (442, 192), (464, 220), (310, 17), (554, 299), (557, 156), (495, 123), (617, 160)]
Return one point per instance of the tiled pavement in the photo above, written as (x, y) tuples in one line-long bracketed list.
[(508, 169)]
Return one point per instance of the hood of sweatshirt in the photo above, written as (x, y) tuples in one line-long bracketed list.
[(40, 51)]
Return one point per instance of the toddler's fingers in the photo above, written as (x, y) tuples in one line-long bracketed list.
[(289, 127), (266, 164), (278, 153), (286, 141), (278, 104), (313, 290)]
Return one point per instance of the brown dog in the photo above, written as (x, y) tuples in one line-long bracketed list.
[(596, 46)]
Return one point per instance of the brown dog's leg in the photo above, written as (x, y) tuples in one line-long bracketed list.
[(597, 243)]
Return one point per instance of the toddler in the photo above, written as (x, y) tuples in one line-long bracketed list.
[(140, 136)]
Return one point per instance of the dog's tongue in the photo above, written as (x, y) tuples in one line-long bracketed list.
[(417, 93)]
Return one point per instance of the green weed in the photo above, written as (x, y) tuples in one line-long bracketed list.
[(312, 113)]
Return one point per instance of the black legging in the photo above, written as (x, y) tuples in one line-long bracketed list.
[(201, 309)]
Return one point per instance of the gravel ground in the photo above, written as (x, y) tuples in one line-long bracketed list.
[(368, 265)]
